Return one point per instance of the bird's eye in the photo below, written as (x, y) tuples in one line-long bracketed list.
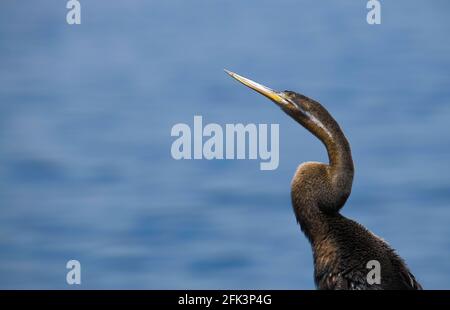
[(289, 94)]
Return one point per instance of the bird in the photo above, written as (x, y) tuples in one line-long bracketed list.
[(343, 250)]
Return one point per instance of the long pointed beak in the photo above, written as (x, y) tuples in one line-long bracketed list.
[(273, 95)]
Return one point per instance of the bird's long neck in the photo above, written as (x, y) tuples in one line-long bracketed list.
[(339, 156), (327, 130), (323, 190)]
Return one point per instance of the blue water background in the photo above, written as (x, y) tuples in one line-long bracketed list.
[(85, 119)]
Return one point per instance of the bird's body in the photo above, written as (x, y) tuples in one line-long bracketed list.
[(342, 249), (340, 260)]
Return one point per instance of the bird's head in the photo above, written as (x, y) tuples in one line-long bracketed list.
[(304, 110)]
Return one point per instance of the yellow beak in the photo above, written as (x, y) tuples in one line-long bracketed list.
[(273, 95)]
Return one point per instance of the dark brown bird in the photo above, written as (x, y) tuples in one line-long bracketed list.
[(343, 250)]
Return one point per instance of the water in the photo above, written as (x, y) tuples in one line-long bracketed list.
[(85, 119)]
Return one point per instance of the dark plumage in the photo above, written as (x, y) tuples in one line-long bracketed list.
[(341, 247)]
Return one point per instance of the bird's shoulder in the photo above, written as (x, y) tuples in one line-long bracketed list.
[(356, 247)]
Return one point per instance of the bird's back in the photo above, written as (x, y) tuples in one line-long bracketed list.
[(341, 259)]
